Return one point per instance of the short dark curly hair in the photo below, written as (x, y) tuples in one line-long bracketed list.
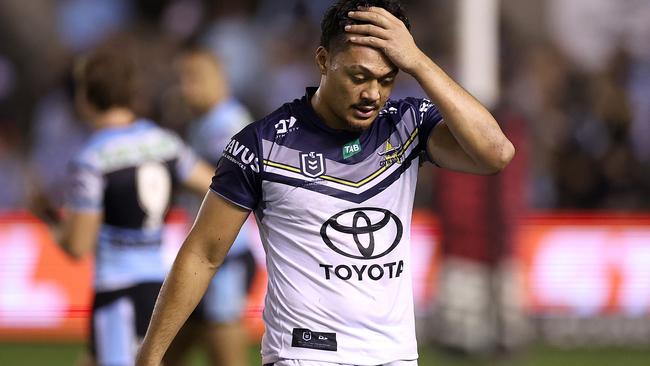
[(336, 17)]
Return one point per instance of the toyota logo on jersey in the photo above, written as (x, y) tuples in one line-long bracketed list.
[(362, 233)]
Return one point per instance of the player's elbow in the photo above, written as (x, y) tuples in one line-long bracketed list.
[(504, 155), (73, 252)]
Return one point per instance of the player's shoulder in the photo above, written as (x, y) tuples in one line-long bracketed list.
[(105, 144), (268, 127), (406, 110), (229, 115)]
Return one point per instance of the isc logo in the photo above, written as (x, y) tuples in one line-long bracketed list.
[(285, 125)]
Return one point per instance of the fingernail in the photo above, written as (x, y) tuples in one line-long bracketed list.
[(347, 27), (350, 13), (353, 38)]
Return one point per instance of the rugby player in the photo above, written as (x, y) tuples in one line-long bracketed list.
[(216, 323), (120, 187), (331, 179)]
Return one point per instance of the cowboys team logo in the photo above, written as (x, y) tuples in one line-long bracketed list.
[(312, 164), (391, 154)]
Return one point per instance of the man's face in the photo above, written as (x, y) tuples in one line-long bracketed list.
[(355, 83), (201, 81)]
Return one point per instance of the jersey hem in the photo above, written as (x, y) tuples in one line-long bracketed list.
[(340, 360)]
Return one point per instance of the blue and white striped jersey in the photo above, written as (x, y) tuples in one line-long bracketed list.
[(128, 174)]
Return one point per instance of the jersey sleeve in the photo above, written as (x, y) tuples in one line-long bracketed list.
[(237, 178), (427, 116), (85, 187)]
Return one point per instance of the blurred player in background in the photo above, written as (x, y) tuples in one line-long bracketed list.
[(120, 187), (217, 320), (331, 179)]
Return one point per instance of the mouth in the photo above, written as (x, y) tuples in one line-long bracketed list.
[(363, 112)]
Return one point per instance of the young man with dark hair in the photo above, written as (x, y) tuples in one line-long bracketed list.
[(331, 181), (119, 191)]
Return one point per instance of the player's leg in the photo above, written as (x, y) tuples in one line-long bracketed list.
[(85, 359), (144, 296), (113, 337), (225, 336)]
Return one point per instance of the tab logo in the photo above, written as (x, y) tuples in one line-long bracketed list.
[(312, 164), (351, 148)]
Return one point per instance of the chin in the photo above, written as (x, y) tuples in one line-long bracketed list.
[(359, 125)]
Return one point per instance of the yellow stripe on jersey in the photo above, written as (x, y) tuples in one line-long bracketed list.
[(344, 181)]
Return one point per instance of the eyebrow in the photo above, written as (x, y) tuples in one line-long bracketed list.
[(366, 70)]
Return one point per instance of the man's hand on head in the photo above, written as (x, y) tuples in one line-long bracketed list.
[(387, 34)]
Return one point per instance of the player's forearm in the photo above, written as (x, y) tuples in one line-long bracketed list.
[(475, 129), (185, 285)]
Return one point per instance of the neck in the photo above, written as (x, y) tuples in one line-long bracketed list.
[(325, 114), (115, 117)]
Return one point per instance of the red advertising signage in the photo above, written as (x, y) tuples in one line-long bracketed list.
[(584, 265)]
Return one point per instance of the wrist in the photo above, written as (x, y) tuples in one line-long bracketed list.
[(420, 66)]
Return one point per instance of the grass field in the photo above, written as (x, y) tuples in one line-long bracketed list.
[(64, 354)]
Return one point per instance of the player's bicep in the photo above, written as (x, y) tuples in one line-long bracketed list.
[(79, 232), (215, 229), (446, 152)]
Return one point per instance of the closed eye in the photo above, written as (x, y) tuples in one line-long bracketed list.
[(358, 79), (387, 81)]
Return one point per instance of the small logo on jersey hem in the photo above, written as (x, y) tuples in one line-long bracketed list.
[(306, 338), (312, 164)]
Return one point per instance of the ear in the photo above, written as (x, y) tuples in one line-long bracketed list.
[(321, 59)]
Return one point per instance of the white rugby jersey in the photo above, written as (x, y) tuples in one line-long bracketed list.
[(334, 213), (128, 173)]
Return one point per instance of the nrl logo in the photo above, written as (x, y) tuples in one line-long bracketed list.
[(391, 154), (312, 164)]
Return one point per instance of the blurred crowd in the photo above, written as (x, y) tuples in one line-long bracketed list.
[(576, 73)]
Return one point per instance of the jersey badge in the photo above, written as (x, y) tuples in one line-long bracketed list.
[(391, 154), (351, 148), (312, 164), (285, 125)]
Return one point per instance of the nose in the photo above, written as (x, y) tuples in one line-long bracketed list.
[(371, 92)]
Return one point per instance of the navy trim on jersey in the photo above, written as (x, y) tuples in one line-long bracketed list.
[(296, 126), (337, 193)]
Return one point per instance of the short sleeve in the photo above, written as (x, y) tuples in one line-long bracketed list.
[(427, 116), (237, 178), (85, 187)]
